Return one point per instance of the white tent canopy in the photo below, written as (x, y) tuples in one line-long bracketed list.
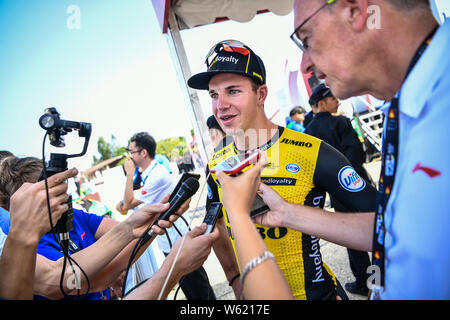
[(192, 13)]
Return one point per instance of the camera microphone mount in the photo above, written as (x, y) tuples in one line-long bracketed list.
[(56, 129)]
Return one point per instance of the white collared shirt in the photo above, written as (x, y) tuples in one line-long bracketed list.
[(157, 183), (418, 212)]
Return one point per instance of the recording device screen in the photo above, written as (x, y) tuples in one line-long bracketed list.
[(258, 207), (236, 163), (211, 216), (183, 178)]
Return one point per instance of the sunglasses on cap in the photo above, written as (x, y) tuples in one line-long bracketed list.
[(227, 45)]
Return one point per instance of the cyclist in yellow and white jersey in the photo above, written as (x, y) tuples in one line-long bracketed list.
[(301, 169)]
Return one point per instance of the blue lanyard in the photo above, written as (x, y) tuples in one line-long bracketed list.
[(153, 164), (387, 175)]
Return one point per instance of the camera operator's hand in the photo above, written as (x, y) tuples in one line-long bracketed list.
[(28, 206)]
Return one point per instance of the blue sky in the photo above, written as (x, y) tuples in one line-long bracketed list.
[(115, 71), (87, 74)]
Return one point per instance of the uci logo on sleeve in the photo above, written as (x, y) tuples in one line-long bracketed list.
[(350, 180)]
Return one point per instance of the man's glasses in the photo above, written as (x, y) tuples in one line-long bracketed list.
[(227, 45), (132, 152), (296, 38)]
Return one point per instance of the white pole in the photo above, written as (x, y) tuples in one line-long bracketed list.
[(192, 101)]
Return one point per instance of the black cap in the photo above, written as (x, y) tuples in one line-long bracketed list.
[(243, 61), (320, 93)]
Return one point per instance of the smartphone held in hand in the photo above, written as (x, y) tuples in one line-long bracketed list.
[(211, 216), (234, 164)]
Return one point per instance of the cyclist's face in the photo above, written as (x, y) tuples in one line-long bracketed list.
[(234, 102)]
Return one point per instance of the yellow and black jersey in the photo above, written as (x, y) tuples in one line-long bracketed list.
[(301, 169)]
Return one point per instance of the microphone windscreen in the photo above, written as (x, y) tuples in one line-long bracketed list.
[(192, 184)]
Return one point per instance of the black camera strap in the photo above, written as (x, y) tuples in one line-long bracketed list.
[(387, 175)]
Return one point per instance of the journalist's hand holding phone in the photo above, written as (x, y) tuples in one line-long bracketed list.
[(234, 164), (238, 193)]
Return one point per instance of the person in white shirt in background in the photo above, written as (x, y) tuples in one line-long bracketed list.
[(157, 183)]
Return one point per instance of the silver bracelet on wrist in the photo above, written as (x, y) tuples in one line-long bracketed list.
[(253, 263)]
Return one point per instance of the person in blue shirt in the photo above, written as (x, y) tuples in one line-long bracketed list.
[(82, 235), (100, 246), (296, 118), (29, 222), (162, 159), (4, 220)]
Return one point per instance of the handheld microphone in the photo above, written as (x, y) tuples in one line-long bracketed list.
[(187, 190)]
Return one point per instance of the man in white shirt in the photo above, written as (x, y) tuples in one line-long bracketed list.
[(157, 183)]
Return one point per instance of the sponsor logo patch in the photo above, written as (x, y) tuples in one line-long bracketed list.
[(292, 168), (350, 180), (228, 59), (276, 181), (297, 143)]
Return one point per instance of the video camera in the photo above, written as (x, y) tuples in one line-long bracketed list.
[(56, 129)]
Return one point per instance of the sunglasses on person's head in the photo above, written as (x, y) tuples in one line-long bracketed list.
[(227, 45), (295, 35)]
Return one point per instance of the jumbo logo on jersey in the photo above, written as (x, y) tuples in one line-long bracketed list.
[(350, 180), (292, 168), (297, 143)]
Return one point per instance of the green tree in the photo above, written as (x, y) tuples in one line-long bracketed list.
[(172, 147), (108, 149)]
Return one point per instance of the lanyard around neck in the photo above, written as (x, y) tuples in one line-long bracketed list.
[(152, 166), (387, 175)]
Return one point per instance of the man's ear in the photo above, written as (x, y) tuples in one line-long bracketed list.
[(321, 105), (262, 94), (354, 13)]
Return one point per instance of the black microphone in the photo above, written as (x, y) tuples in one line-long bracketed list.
[(187, 190)]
